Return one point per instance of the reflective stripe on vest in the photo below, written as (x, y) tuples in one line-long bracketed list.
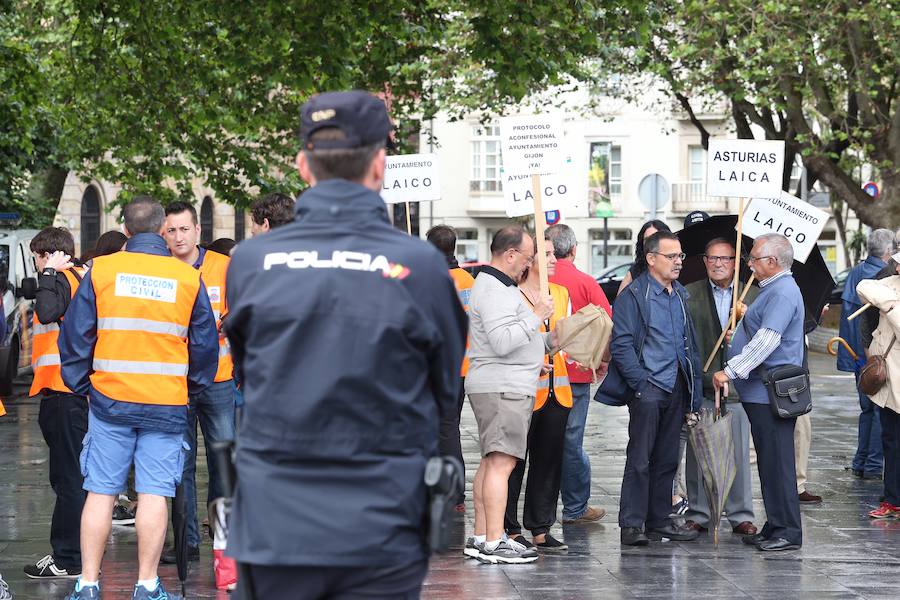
[(45, 360), (214, 269), (141, 367), (131, 324), (144, 308), (562, 389), (463, 282)]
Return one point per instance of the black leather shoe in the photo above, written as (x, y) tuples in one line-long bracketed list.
[(776, 544), (674, 533), (633, 536), (753, 540), (168, 556)]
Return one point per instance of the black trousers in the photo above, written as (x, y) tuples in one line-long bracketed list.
[(773, 439), (63, 419), (402, 582), (546, 442), (448, 435), (890, 440), (651, 458)]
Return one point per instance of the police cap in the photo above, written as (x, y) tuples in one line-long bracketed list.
[(361, 116)]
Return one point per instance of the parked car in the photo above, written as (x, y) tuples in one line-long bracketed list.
[(840, 280), (611, 279), (18, 284)]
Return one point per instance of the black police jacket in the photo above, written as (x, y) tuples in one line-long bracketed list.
[(348, 336)]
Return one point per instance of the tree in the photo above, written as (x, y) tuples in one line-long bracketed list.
[(820, 75), (154, 95)]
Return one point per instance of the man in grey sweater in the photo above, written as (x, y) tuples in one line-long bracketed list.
[(506, 354)]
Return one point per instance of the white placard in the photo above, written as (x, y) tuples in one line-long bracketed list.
[(533, 145), (411, 178), (145, 287), (559, 191), (744, 168), (798, 221)]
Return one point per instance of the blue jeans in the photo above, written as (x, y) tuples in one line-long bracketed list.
[(575, 487), (869, 457), (214, 408)]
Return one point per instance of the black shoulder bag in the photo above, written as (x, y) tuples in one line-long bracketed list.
[(789, 391)]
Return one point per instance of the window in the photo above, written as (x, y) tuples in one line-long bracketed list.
[(604, 176), (240, 224), (796, 175), (620, 249), (90, 218), (696, 163), (828, 247), (206, 220), (466, 245), (399, 210), (486, 160)]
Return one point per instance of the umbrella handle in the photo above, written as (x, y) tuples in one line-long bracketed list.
[(833, 342), (719, 397)]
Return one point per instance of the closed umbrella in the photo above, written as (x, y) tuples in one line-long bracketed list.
[(179, 524), (713, 447)]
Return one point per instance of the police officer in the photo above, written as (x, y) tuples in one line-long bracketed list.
[(348, 336), (138, 337)]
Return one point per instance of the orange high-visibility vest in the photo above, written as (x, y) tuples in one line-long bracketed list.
[(562, 389), (144, 307), (463, 282), (45, 348), (213, 269)]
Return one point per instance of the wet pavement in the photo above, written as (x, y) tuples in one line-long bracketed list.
[(845, 554)]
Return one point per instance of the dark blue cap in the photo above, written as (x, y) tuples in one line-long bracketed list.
[(361, 116), (697, 216)]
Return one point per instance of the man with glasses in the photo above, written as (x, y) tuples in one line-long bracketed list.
[(710, 307), (655, 370), (506, 353), (769, 335)]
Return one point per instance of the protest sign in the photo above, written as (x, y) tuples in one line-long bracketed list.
[(744, 168), (533, 145), (558, 192), (411, 178), (800, 222)]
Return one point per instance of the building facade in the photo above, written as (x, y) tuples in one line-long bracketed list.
[(84, 210), (619, 149)]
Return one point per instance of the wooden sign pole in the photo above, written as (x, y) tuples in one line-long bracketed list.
[(737, 266), (408, 220), (540, 224)]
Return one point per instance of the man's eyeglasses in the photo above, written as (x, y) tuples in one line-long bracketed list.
[(528, 259), (673, 256), (718, 259), (752, 258)]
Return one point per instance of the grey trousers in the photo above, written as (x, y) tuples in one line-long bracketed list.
[(739, 504)]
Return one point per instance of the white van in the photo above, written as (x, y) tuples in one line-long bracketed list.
[(18, 282)]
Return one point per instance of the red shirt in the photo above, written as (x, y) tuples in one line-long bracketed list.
[(583, 290)]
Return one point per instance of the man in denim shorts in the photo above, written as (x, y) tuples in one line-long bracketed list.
[(139, 336)]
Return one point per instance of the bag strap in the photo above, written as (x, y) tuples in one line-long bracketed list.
[(891, 345)]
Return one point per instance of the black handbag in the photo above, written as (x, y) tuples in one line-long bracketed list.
[(789, 392)]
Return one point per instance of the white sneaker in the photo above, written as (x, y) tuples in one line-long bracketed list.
[(5, 594), (508, 552)]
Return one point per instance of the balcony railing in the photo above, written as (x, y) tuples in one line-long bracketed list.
[(688, 196)]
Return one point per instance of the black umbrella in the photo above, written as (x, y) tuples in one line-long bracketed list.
[(813, 277), (179, 525)]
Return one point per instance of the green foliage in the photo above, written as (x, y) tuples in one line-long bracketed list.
[(158, 96)]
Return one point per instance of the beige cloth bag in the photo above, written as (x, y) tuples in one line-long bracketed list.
[(585, 335), (885, 294)]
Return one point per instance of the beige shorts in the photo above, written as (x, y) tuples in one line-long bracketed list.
[(503, 421)]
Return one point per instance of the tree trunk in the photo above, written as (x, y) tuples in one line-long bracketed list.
[(883, 211)]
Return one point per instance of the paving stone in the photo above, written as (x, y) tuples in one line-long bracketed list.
[(845, 554)]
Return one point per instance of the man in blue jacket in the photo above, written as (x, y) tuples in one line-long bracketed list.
[(137, 362), (868, 462), (655, 370), (349, 336)]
